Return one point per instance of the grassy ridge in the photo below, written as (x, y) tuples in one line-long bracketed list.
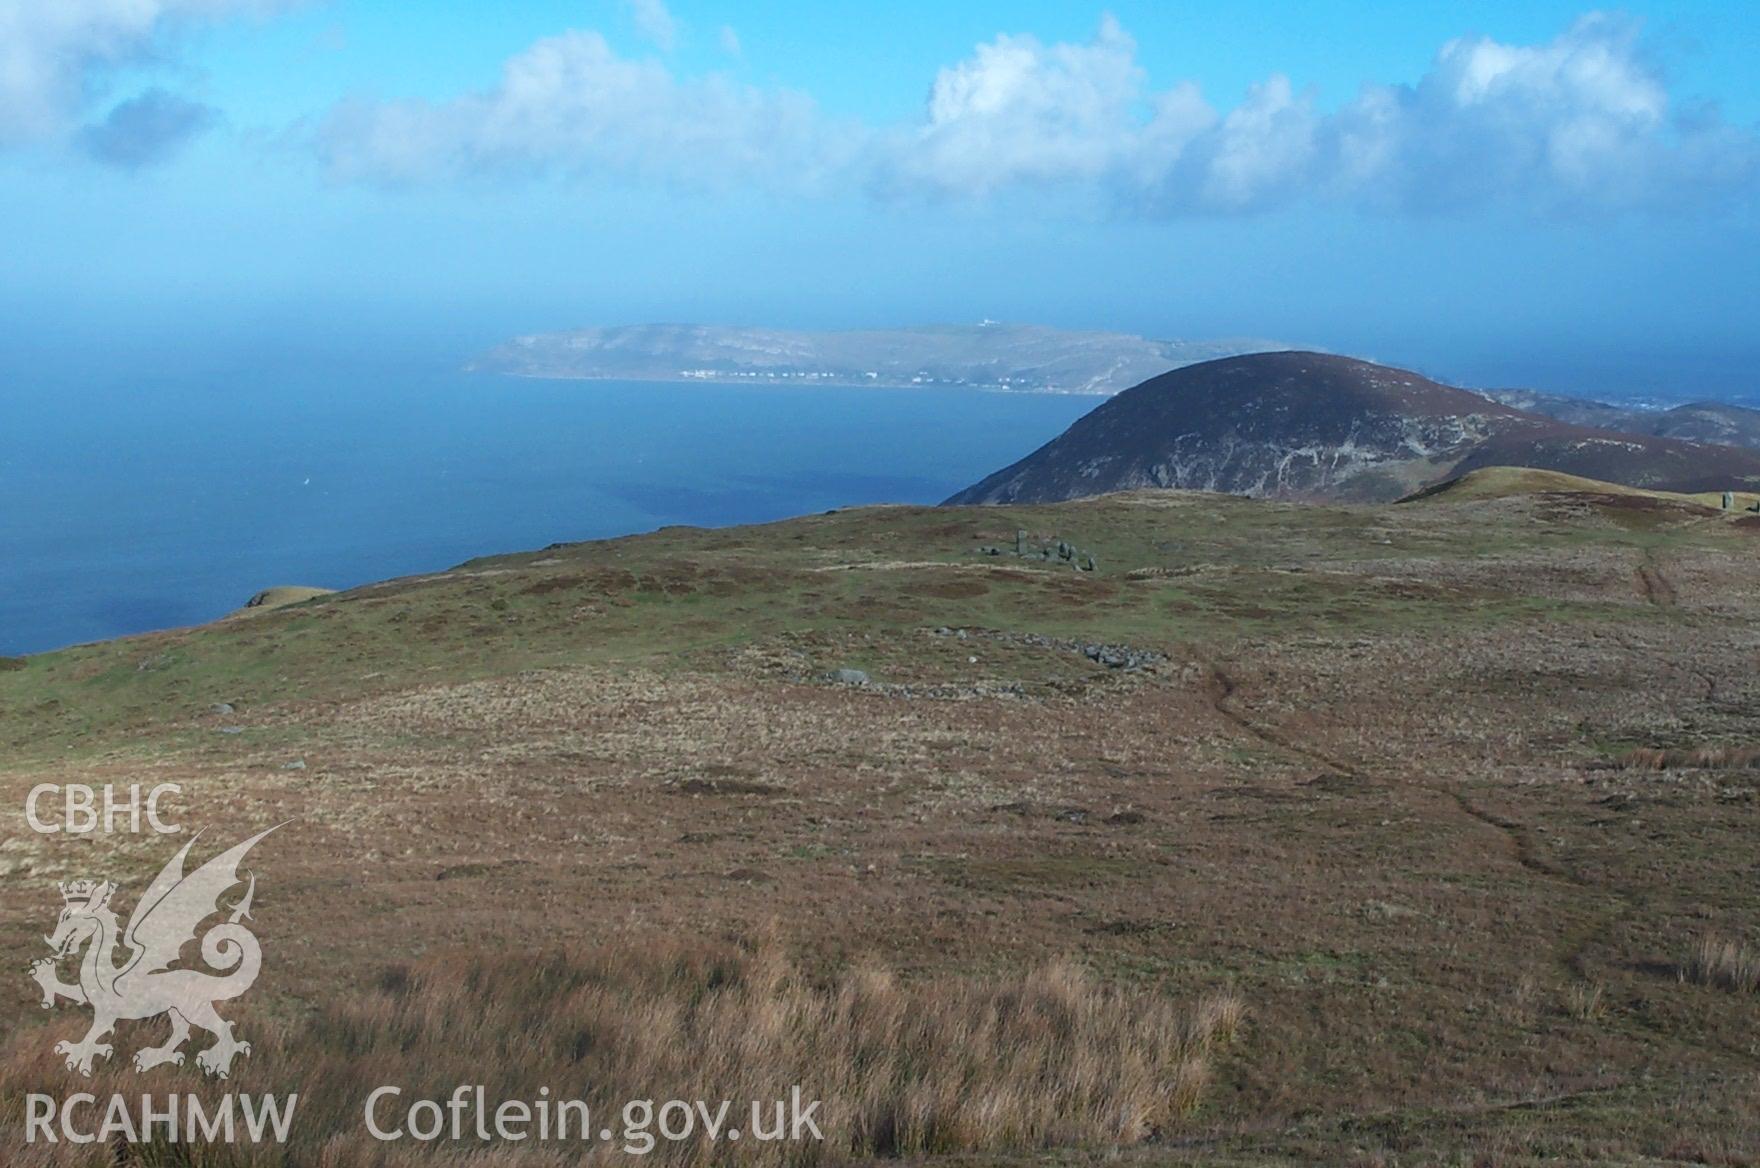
[(1171, 569), (1455, 795)]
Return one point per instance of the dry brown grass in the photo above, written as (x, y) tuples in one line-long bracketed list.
[(1585, 1000), (1713, 758), (675, 760), (1719, 961), (903, 1067)]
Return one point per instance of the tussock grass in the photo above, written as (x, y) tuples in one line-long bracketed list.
[(1719, 961), (1715, 758), (904, 1067), (1585, 1000)]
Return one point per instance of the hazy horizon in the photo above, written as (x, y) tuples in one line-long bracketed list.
[(230, 219), (166, 343), (1530, 194)]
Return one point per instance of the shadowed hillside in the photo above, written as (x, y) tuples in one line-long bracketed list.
[(1314, 426)]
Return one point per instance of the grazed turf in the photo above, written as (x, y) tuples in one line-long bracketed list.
[(1363, 777)]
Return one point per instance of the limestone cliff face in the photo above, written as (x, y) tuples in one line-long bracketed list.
[(1312, 425)]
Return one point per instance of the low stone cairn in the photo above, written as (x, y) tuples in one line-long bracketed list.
[(1125, 657)]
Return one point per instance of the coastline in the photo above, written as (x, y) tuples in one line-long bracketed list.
[(777, 382)]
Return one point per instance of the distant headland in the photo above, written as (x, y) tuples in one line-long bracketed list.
[(988, 355)]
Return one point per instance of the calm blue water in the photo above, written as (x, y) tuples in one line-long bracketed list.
[(130, 504)]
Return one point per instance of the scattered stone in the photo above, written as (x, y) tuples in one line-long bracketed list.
[(1062, 550), (1123, 657), (1381, 910), (222, 708), (850, 677), (232, 729), (298, 764)]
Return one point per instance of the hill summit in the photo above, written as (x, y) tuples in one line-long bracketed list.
[(1316, 426)]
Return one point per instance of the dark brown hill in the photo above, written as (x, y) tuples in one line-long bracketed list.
[(1313, 425)]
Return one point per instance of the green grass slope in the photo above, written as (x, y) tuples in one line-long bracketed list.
[(1170, 567)]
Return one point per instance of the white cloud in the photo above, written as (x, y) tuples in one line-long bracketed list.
[(571, 104), (655, 21), (1021, 111), (1256, 155), (730, 41), (1583, 120), (53, 53)]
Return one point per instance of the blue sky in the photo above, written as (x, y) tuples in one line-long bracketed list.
[(1495, 192)]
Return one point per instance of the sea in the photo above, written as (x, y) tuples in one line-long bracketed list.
[(133, 500)]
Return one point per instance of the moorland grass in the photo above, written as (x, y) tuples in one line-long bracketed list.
[(1047, 1058), (1723, 962)]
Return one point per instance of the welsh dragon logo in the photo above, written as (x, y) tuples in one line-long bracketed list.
[(142, 983)]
